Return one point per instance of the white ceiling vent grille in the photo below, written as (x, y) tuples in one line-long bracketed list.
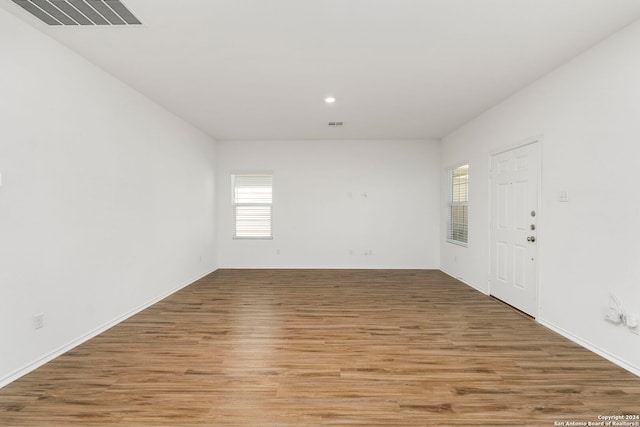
[(79, 12)]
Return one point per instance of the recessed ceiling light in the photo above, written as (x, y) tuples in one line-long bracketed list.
[(329, 100)]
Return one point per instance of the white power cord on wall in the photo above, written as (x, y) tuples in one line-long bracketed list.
[(617, 314)]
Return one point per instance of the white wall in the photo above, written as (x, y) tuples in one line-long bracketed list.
[(106, 202), (320, 211), (587, 113)]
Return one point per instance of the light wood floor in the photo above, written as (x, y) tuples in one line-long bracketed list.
[(323, 347)]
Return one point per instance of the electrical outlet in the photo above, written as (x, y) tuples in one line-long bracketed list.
[(38, 321)]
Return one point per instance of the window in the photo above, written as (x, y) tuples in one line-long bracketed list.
[(458, 218), (252, 199)]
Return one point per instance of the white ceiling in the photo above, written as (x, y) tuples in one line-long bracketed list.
[(260, 69)]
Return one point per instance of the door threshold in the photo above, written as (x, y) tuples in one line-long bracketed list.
[(514, 308)]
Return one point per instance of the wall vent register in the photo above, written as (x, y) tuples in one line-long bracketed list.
[(79, 12)]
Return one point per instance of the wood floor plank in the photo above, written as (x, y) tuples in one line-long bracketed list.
[(323, 348)]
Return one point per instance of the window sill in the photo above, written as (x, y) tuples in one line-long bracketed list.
[(457, 243), (252, 238)]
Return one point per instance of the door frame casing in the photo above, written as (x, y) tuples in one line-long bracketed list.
[(537, 139)]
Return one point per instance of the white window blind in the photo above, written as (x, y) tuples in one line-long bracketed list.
[(458, 218), (252, 205)]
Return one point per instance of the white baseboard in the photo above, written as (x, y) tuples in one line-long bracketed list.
[(477, 288), (591, 347), (56, 353), (328, 267), (91, 334)]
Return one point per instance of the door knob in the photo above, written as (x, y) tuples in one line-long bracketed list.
[(531, 239)]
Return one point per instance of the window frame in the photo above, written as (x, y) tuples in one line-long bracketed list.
[(235, 205), (451, 204)]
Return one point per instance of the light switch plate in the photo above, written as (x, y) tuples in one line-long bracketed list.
[(563, 196)]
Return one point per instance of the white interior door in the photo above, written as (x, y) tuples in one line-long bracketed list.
[(514, 219)]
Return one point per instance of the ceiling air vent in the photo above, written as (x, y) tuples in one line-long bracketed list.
[(333, 124), (79, 12)]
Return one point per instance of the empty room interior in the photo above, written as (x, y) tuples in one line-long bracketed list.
[(299, 213)]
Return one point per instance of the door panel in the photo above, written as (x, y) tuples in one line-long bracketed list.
[(501, 262), (514, 217), (521, 200), (520, 279), (503, 206)]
